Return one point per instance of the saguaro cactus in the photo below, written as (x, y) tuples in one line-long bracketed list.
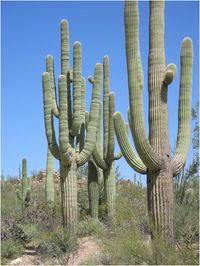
[(106, 162), (49, 177), (154, 152), (24, 195), (69, 152)]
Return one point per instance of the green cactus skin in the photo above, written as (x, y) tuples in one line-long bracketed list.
[(106, 162), (24, 195), (154, 151), (93, 189), (49, 177), (73, 150)]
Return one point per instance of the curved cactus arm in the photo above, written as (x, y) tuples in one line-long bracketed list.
[(63, 118), (126, 149), (19, 196), (169, 74), (99, 159), (111, 132), (106, 91), (143, 147), (50, 70), (90, 141), (86, 119), (118, 156), (48, 116), (184, 108), (77, 80), (27, 196)]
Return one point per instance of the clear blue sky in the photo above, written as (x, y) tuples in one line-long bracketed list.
[(30, 31)]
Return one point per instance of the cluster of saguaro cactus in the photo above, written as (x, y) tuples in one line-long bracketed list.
[(24, 194), (105, 161), (154, 152), (49, 186), (73, 149)]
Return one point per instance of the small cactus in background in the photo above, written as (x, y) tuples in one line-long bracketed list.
[(154, 153), (24, 194), (73, 149), (49, 186), (106, 161)]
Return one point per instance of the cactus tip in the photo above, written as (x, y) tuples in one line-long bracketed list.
[(64, 22), (77, 44)]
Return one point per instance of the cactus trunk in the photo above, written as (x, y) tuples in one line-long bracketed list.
[(110, 188), (154, 151), (161, 201), (49, 177), (93, 189), (69, 206)]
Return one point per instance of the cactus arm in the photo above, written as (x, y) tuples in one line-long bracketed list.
[(77, 79), (144, 149), (99, 159), (63, 118), (86, 119), (126, 149), (18, 194), (49, 186), (111, 132), (93, 118), (83, 91), (48, 116), (106, 90), (118, 156), (50, 70), (99, 136), (65, 63), (184, 108)]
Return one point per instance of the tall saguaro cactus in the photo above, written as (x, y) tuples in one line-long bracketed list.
[(106, 162), (154, 152), (50, 190), (24, 195), (73, 149)]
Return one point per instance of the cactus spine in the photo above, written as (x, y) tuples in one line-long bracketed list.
[(24, 195), (154, 152), (71, 114), (106, 162), (49, 177)]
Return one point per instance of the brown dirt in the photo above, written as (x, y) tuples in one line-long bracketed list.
[(88, 247)]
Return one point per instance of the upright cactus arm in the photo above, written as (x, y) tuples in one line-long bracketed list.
[(144, 149), (63, 119), (77, 82), (48, 116), (99, 159), (65, 64), (106, 91), (83, 91), (99, 135), (50, 70), (184, 108), (90, 141), (111, 132), (126, 149), (119, 155)]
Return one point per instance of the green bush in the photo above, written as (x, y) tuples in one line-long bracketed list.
[(58, 243), (10, 250), (89, 227)]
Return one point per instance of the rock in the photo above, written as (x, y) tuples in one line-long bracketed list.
[(17, 261)]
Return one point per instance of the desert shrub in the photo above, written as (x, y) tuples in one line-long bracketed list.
[(58, 243), (10, 250), (83, 204), (89, 227), (123, 240)]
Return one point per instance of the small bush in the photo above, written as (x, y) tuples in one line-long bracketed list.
[(58, 243), (89, 227), (10, 250)]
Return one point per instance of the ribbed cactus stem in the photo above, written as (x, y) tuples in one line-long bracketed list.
[(24, 195), (93, 189), (73, 149), (155, 151), (49, 177), (110, 189)]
